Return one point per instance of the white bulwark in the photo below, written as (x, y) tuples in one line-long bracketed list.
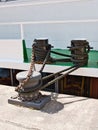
[(59, 20), (11, 51)]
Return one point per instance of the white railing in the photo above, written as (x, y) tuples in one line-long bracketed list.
[(47, 22), (40, 17)]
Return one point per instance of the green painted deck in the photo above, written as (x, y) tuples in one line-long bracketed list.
[(92, 62)]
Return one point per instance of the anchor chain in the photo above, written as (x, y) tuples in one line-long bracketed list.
[(30, 72), (27, 94)]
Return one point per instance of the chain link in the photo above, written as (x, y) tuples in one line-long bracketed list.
[(30, 72)]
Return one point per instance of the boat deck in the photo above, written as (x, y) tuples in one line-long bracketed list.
[(63, 112), (92, 61)]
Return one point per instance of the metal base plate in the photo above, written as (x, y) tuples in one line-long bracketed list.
[(37, 104)]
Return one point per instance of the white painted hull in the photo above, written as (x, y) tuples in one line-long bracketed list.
[(58, 20)]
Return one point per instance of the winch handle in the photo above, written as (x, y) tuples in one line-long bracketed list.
[(89, 48), (73, 48)]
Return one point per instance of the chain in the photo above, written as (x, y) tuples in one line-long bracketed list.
[(30, 72)]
